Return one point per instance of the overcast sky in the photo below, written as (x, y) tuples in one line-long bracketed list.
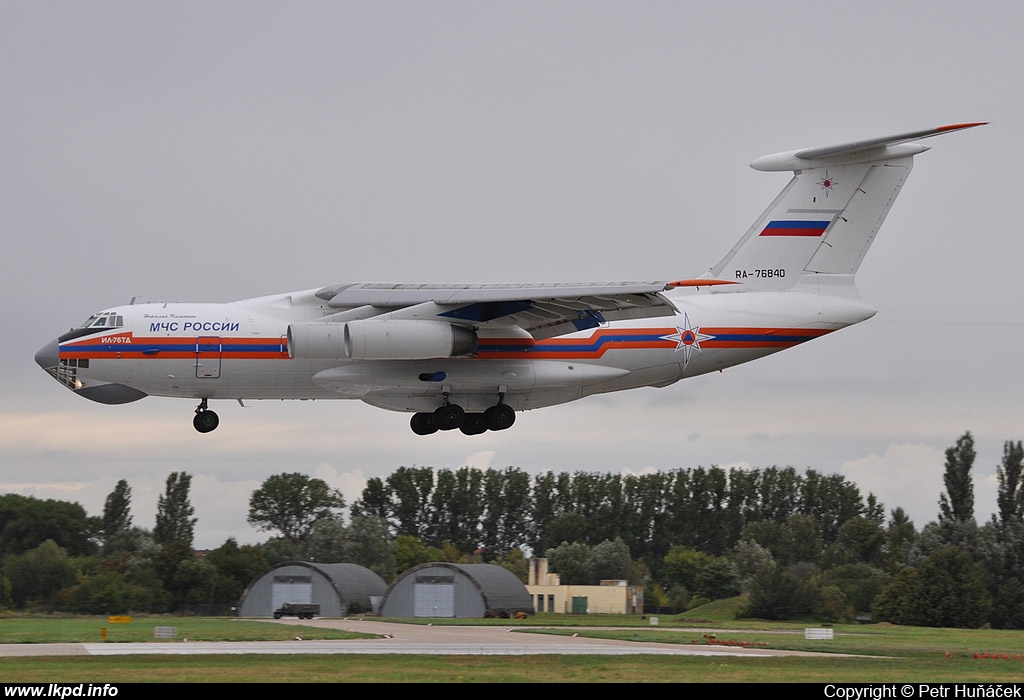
[(212, 151)]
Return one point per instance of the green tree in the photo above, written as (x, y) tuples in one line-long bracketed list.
[(236, 567), (805, 539), (506, 502), (611, 560), (900, 602), (104, 593), (292, 503), (946, 590), (717, 580), (573, 562), (655, 595), (957, 504), (408, 490), (565, 527), (750, 558), (37, 575), (515, 561), (683, 566), (375, 500), (899, 538), (325, 541), (954, 586), (368, 543), (860, 584), (410, 552), (781, 593), (117, 517), (1010, 497), (175, 523), (859, 539), (281, 549), (1002, 555), (796, 539), (456, 508), (27, 522)]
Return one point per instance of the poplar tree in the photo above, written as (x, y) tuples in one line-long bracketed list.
[(174, 521), (957, 504), (1010, 498), (117, 517)]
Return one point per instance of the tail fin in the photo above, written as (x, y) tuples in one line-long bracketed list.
[(826, 218)]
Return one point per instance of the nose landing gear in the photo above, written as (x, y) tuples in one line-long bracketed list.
[(205, 420)]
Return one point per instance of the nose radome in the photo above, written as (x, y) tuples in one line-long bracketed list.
[(49, 355)]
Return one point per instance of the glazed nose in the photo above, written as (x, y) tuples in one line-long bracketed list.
[(49, 355)]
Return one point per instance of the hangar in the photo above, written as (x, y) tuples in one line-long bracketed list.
[(339, 589), (456, 590)]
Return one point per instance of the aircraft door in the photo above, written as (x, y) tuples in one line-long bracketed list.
[(208, 357)]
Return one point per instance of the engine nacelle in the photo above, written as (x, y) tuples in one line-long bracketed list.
[(379, 340)]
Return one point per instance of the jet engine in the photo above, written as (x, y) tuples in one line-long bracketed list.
[(379, 340)]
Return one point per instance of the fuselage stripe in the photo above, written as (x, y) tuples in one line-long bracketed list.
[(590, 347), (177, 348), (599, 343)]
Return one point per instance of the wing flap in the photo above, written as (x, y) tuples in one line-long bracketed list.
[(385, 294), (543, 311)]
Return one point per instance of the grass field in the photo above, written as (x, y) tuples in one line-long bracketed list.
[(55, 630), (880, 653)]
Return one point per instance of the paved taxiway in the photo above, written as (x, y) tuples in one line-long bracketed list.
[(401, 639)]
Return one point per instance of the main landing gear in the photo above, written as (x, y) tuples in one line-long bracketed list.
[(451, 416), (205, 420)]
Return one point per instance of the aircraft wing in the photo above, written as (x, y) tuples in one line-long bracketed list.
[(542, 310)]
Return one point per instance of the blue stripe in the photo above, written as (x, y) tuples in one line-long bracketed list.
[(798, 224), (150, 348), (599, 342)]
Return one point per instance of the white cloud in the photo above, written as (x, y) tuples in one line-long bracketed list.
[(909, 476), (351, 482), (480, 460)]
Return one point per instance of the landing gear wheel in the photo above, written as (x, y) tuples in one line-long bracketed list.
[(449, 416), (474, 424), (205, 421), (500, 417), (423, 423)]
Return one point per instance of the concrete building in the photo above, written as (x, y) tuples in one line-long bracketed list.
[(612, 596), (339, 589), (456, 590)]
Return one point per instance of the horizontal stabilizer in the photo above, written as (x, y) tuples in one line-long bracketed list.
[(866, 150)]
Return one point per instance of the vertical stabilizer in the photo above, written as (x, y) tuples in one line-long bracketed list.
[(826, 218)]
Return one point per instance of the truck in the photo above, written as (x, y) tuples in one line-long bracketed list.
[(303, 611)]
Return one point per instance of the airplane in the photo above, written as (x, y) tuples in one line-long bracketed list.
[(469, 357)]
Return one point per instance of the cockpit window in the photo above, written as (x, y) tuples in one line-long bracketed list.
[(106, 319)]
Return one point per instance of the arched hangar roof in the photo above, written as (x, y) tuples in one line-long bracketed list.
[(478, 588), (336, 588)]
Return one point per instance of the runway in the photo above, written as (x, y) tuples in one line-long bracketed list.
[(402, 639)]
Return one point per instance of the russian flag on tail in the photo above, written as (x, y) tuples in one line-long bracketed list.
[(813, 229)]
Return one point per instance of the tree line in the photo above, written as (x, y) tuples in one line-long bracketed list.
[(495, 510), (796, 544)]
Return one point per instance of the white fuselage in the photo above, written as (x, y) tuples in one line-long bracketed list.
[(240, 350)]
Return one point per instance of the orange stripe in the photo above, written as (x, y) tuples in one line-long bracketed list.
[(699, 283)]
